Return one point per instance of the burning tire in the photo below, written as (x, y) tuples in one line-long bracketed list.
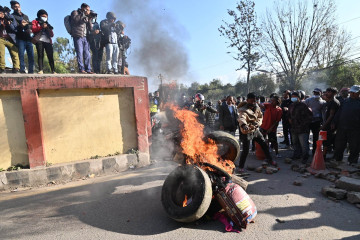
[(229, 147), (191, 183)]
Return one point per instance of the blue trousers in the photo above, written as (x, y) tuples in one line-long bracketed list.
[(28, 46), (82, 48)]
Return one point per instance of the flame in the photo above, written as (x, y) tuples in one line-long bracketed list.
[(193, 144), (185, 201)]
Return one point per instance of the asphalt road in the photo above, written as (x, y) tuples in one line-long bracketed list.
[(127, 206)]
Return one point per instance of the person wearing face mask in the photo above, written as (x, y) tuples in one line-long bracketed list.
[(316, 104), (43, 32), (250, 119), (300, 118), (23, 37)]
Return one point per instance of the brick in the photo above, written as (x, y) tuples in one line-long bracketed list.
[(349, 184), (334, 192), (353, 197)]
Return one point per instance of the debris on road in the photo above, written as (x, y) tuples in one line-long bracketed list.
[(297, 183), (332, 192), (353, 197)]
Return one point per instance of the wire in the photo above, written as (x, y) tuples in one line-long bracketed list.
[(349, 20)]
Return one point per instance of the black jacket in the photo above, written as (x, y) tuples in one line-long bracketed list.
[(226, 119), (22, 33)]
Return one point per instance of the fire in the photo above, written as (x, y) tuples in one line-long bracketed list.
[(185, 201), (193, 145)]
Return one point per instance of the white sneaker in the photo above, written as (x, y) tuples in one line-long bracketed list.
[(41, 72)]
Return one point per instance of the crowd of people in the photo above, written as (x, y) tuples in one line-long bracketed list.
[(18, 34), (257, 119)]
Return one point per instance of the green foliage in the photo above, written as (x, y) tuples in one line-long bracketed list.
[(262, 85), (17, 167), (343, 75), (243, 35)]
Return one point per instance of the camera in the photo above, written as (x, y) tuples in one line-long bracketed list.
[(124, 42), (92, 14)]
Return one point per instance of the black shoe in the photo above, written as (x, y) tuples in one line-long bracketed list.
[(2, 70), (109, 72), (15, 70)]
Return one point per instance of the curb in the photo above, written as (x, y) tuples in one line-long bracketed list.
[(70, 171)]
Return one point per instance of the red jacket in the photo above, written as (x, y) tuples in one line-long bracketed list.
[(36, 28)]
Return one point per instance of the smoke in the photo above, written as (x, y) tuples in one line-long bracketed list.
[(157, 39), (314, 80)]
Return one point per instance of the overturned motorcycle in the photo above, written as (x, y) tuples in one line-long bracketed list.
[(204, 184)]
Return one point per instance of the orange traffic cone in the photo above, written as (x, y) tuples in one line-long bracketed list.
[(259, 153), (318, 163)]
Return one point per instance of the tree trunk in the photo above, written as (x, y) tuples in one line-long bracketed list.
[(248, 79)]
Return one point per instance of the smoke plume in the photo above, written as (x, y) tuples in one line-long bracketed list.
[(157, 39)]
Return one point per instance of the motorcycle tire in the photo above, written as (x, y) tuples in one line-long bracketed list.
[(187, 180), (229, 147)]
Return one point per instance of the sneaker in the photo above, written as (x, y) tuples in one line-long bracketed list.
[(82, 72), (16, 70), (2, 70), (278, 156), (41, 72), (109, 72), (54, 72)]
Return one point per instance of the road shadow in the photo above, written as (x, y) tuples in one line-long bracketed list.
[(128, 206)]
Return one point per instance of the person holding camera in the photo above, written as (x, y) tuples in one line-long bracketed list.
[(80, 26), (43, 32), (23, 37), (110, 39), (7, 39), (124, 43), (96, 48)]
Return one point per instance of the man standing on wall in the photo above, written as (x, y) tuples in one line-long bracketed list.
[(23, 37), (80, 26)]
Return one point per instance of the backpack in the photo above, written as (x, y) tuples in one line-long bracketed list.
[(67, 23)]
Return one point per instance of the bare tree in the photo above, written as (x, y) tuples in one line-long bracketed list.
[(243, 35), (335, 46), (293, 35)]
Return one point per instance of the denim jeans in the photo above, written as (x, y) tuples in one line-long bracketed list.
[(28, 46), (83, 55), (301, 146), (112, 54)]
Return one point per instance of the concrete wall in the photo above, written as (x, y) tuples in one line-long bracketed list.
[(82, 123), (13, 148), (65, 118)]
